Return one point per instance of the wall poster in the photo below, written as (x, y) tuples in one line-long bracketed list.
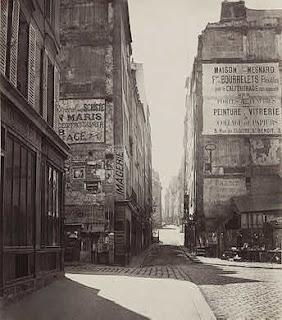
[(241, 98), (82, 121)]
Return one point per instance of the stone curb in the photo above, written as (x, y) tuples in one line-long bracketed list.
[(242, 266), (195, 259)]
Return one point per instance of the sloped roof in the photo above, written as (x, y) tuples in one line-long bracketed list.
[(258, 203)]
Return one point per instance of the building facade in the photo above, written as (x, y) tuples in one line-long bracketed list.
[(106, 124), (32, 153), (157, 200), (233, 132)]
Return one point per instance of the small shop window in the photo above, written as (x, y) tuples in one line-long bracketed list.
[(79, 173), (93, 186), (19, 193), (50, 227)]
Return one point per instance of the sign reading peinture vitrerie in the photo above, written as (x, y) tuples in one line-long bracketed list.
[(82, 121), (241, 98)]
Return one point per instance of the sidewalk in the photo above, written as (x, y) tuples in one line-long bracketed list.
[(114, 296), (220, 262)]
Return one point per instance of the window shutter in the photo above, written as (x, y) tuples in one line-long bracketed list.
[(3, 34), (38, 78), (31, 64), (44, 89), (14, 42), (56, 97)]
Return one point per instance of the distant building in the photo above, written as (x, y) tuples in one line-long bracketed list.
[(172, 204), (233, 132), (32, 153), (157, 200), (104, 117)]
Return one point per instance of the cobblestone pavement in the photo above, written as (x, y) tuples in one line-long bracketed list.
[(161, 262), (231, 292), (238, 292)]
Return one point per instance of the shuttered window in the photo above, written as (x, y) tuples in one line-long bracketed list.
[(49, 10), (44, 88), (22, 67), (31, 64), (14, 43), (50, 94), (38, 79), (56, 98), (3, 34)]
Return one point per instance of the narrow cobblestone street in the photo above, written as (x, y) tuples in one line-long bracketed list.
[(232, 292), (161, 286)]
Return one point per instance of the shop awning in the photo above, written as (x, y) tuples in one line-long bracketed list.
[(258, 203)]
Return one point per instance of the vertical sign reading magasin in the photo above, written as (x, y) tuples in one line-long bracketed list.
[(82, 120), (119, 173), (241, 98)]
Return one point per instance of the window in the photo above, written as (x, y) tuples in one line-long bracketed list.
[(53, 206), (19, 194), (12, 41), (3, 34), (79, 173), (50, 94), (207, 167), (93, 186), (38, 101), (49, 10), (22, 68), (51, 194)]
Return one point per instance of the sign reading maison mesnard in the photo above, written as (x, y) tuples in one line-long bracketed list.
[(82, 121), (241, 98)]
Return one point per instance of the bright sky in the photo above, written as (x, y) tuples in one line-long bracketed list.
[(165, 37)]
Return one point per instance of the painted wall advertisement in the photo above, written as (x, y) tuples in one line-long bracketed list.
[(119, 172), (82, 121), (241, 99), (218, 193)]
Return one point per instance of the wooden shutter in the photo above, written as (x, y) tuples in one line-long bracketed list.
[(3, 34), (31, 64), (38, 78), (44, 89), (56, 97), (14, 42)]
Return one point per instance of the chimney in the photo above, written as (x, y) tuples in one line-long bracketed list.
[(232, 10)]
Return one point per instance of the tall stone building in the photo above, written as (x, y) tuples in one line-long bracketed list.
[(233, 133), (106, 124), (157, 200), (32, 153)]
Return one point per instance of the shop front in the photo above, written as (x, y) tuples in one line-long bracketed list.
[(259, 235)]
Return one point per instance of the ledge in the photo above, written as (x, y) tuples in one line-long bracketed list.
[(29, 113)]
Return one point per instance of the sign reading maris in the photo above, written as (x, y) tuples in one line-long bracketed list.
[(82, 121)]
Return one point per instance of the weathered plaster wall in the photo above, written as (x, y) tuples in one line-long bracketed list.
[(251, 164)]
